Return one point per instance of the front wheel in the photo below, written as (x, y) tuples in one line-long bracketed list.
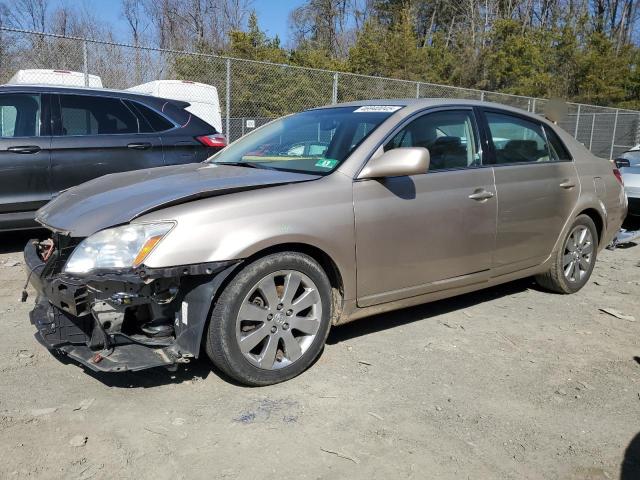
[(271, 321), (573, 262)]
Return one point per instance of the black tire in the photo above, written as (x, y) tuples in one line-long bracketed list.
[(222, 346), (554, 279)]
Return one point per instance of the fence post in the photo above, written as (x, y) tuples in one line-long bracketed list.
[(228, 101), (417, 89), (482, 96), (613, 137), (85, 63), (334, 93), (593, 124), (533, 105), (575, 133)]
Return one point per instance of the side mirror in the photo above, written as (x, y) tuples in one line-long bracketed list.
[(397, 163), (622, 162)]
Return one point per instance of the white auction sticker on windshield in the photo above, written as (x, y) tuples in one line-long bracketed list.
[(377, 108)]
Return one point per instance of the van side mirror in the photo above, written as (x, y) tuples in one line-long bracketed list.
[(398, 162)]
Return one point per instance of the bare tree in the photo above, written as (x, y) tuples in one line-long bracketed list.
[(27, 14), (327, 24), (199, 24), (134, 14), (235, 13)]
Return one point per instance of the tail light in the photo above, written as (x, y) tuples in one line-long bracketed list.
[(217, 140), (618, 175)]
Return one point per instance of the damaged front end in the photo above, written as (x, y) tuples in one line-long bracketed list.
[(121, 320)]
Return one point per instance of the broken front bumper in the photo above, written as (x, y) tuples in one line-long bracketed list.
[(98, 320)]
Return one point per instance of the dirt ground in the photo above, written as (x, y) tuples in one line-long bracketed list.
[(508, 383)]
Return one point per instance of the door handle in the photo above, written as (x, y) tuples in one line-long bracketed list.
[(481, 195), (568, 184), (24, 149), (139, 146)]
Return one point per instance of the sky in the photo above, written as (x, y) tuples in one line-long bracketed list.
[(273, 15)]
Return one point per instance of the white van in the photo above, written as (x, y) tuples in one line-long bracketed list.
[(203, 98), (68, 78)]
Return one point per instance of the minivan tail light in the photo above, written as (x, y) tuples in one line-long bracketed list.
[(216, 140), (618, 175)]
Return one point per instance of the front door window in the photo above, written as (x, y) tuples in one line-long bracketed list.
[(448, 135), (19, 115)]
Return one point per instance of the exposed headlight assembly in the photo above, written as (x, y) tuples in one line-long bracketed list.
[(117, 248)]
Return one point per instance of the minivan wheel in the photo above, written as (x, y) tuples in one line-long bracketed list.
[(271, 321), (573, 262)]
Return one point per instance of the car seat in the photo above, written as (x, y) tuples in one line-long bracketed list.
[(520, 151)]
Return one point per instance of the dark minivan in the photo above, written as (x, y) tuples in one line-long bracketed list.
[(52, 138)]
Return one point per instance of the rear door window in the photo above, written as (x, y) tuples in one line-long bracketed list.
[(517, 140), (89, 115), (19, 115), (449, 135)]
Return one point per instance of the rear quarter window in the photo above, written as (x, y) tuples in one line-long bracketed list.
[(558, 147), (150, 121)]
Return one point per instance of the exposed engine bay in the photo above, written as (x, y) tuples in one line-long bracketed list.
[(120, 320)]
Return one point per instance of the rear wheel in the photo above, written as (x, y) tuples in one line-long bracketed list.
[(573, 262), (271, 322)]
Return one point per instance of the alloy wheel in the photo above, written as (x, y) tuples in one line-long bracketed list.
[(278, 319), (578, 254)]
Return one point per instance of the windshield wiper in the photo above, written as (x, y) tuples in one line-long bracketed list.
[(244, 164)]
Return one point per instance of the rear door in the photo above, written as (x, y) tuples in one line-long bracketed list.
[(179, 140), (97, 135), (24, 152), (537, 186)]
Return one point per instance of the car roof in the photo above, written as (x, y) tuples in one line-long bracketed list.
[(416, 104), (92, 91), (419, 103)]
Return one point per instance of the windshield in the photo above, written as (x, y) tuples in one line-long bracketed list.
[(315, 141)]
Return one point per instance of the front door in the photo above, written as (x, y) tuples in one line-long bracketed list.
[(429, 232), (24, 153)]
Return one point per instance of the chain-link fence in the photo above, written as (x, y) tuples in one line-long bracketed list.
[(252, 93)]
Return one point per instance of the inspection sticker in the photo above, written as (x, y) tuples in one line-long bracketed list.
[(377, 108), (326, 163)]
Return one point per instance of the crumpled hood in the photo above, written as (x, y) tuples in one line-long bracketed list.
[(120, 197)]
